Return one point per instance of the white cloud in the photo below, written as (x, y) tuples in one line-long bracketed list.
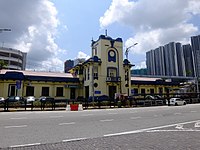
[(82, 55), (154, 22), (194, 7), (117, 11), (141, 65), (154, 38), (34, 26)]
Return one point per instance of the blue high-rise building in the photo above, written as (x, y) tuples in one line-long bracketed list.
[(167, 60), (195, 41)]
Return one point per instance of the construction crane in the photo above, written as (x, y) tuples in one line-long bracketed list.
[(2, 30), (6, 30), (128, 49)]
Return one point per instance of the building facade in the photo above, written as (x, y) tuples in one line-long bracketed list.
[(195, 41), (167, 60), (189, 60), (104, 73), (15, 59), (69, 64), (30, 83)]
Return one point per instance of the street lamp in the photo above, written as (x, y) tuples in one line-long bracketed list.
[(128, 49)]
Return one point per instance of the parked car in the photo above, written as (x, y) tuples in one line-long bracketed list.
[(46, 99), (2, 100), (103, 98), (150, 97), (176, 101), (30, 99), (90, 99), (80, 99), (14, 99)]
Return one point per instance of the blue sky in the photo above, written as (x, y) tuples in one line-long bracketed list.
[(82, 23), (52, 31)]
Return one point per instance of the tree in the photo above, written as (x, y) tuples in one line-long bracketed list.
[(3, 64)]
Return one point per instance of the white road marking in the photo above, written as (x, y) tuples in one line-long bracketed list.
[(23, 145), (187, 130), (112, 113), (197, 125), (21, 126), (66, 123), (152, 110), (177, 113), (107, 120), (148, 129), (135, 118), (193, 111), (55, 116), (87, 115), (132, 112), (19, 118), (77, 139), (179, 126)]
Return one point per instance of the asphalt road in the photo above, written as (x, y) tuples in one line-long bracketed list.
[(125, 128)]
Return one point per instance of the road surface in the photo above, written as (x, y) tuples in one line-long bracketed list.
[(164, 127)]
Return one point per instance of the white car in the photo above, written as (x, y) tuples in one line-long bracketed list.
[(2, 100), (176, 101), (30, 99)]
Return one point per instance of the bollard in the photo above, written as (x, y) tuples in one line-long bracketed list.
[(68, 108), (80, 107)]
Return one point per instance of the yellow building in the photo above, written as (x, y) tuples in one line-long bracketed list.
[(152, 85), (30, 83), (105, 73)]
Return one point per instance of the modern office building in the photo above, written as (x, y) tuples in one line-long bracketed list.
[(171, 59), (195, 41), (167, 60), (15, 59), (189, 61), (180, 60), (78, 61), (69, 64), (150, 62)]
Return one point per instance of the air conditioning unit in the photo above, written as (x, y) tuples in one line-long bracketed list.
[(108, 79), (66, 86), (119, 79)]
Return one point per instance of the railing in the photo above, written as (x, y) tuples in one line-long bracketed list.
[(113, 79)]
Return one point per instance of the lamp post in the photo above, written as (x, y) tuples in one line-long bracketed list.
[(93, 83), (128, 49), (128, 71)]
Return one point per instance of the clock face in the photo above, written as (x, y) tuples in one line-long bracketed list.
[(112, 53), (111, 56)]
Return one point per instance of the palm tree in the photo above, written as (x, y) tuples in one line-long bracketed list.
[(3, 64)]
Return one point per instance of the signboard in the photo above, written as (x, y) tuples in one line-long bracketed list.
[(71, 86), (18, 84), (97, 92), (132, 91)]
